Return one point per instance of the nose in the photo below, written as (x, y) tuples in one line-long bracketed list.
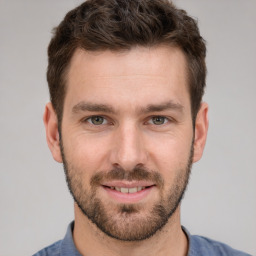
[(128, 149)]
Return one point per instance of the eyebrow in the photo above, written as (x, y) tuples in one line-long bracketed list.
[(94, 107), (169, 105)]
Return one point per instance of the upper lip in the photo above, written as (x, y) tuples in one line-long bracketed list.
[(128, 184)]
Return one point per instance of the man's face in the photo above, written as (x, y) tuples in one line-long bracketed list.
[(127, 137)]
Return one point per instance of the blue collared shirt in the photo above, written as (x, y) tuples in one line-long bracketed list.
[(198, 246)]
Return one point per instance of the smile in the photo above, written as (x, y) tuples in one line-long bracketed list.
[(124, 193), (128, 190)]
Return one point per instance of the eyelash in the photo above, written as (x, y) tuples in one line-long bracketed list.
[(159, 117), (89, 120), (105, 120)]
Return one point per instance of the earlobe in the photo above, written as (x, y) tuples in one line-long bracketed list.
[(201, 129), (52, 133)]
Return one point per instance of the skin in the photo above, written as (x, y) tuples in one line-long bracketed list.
[(128, 82)]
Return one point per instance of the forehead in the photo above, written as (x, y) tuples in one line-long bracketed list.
[(133, 74), (158, 60)]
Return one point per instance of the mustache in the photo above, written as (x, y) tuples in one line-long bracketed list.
[(118, 173)]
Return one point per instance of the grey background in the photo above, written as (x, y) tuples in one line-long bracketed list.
[(35, 204)]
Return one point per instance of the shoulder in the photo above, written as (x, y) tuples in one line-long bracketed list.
[(64, 247), (200, 245), (52, 250)]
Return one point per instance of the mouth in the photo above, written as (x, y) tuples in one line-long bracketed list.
[(128, 192)]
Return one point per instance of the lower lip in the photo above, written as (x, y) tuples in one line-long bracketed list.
[(128, 197)]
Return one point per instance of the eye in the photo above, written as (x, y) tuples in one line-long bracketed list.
[(96, 120), (158, 120)]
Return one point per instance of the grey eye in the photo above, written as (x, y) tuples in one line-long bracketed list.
[(96, 120), (158, 120)]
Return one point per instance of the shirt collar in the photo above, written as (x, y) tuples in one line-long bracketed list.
[(190, 243), (68, 248)]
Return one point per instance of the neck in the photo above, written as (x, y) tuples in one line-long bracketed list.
[(89, 240)]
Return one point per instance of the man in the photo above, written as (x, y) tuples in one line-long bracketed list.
[(126, 118)]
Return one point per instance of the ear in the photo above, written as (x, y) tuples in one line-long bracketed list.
[(201, 128), (52, 133)]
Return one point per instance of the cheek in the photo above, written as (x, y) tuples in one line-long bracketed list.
[(170, 149), (170, 156), (86, 153)]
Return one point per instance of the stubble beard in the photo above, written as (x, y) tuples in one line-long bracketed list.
[(126, 223)]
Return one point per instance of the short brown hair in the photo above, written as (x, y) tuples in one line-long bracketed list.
[(119, 25)]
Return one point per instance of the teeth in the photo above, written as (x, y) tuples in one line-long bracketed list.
[(132, 190), (139, 189), (128, 190), (124, 190)]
